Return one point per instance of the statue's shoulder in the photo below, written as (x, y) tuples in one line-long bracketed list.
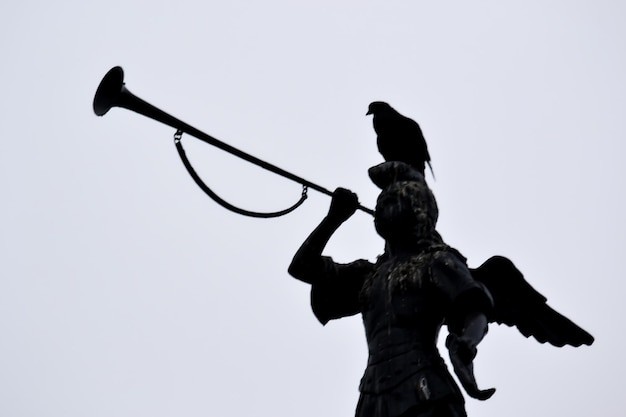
[(449, 271), (362, 264), (447, 260), (360, 267), (337, 295)]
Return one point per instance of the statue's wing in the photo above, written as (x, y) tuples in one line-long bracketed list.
[(518, 304)]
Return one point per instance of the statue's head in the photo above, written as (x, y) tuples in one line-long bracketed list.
[(406, 208)]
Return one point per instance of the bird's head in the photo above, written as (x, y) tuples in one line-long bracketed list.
[(378, 107)]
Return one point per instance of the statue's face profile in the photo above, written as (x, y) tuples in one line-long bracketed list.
[(405, 211)]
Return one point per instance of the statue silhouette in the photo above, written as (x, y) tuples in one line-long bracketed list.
[(417, 286)]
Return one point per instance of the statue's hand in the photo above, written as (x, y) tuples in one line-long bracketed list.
[(343, 204), (462, 353)]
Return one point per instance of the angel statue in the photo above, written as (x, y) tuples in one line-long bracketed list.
[(415, 287)]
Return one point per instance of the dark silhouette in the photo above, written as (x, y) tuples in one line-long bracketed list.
[(418, 285), (112, 92), (399, 138)]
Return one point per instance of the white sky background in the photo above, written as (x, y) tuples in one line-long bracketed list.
[(124, 291)]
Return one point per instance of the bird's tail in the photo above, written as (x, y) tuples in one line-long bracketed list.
[(431, 170)]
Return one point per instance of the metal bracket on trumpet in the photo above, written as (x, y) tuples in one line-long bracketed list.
[(178, 136), (192, 172)]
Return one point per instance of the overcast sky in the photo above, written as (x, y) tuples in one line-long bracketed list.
[(125, 291)]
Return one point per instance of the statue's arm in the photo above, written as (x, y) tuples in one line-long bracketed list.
[(469, 332), (462, 344), (470, 304), (307, 264)]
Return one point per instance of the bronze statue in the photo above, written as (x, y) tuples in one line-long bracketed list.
[(418, 285)]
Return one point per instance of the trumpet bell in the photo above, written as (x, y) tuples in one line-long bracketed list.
[(109, 91)]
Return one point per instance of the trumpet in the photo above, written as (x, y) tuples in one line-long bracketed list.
[(112, 92)]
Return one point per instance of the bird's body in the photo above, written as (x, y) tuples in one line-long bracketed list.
[(399, 138)]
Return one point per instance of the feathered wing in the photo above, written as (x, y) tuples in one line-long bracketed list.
[(400, 139), (518, 304)]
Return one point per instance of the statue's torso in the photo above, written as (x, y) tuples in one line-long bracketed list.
[(403, 309), (402, 314)]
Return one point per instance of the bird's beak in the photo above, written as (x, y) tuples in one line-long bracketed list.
[(368, 113)]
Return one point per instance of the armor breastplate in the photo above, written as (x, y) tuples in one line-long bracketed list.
[(402, 315)]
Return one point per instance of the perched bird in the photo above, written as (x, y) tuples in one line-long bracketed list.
[(399, 138)]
